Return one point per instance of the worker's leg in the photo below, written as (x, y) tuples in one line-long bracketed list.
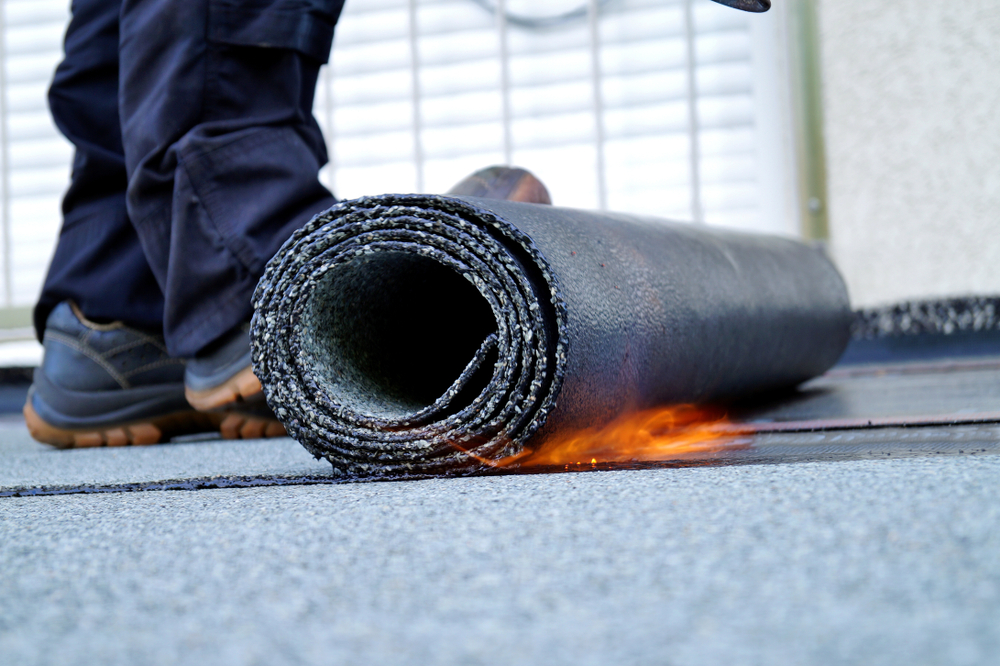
[(221, 154), (222, 151), (100, 382), (98, 261)]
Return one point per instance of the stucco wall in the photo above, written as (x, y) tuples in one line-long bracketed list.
[(911, 97)]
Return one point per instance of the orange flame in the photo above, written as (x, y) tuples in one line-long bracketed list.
[(654, 434)]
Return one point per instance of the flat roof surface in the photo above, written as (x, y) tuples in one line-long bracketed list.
[(864, 561), (821, 541)]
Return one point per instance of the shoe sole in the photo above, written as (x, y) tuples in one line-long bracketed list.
[(152, 431), (242, 387), (138, 433), (240, 392)]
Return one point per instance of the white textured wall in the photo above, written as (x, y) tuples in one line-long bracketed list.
[(911, 95)]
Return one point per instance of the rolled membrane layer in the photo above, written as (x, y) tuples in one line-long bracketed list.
[(415, 334)]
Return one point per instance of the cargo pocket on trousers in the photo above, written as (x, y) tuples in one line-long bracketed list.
[(305, 26)]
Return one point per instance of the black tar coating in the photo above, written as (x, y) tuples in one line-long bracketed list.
[(416, 334), (781, 449)]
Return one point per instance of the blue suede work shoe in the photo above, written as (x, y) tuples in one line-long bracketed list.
[(106, 385), (220, 380)]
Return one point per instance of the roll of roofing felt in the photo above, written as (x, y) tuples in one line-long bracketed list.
[(422, 333)]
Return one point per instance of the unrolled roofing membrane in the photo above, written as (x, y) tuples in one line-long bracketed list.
[(414, 334)]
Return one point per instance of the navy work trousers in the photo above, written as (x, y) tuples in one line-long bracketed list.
[(197, 155)]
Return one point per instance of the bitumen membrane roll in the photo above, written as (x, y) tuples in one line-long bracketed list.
[(419, 333)]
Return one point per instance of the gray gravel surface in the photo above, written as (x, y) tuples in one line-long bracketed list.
[(863, 562)]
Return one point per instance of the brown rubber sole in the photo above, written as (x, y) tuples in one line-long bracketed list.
[(212, 413), (139, 433), (225, 400), (154, 431), (241, 387)]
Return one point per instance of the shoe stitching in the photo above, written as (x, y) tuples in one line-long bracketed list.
[(154, 340), (152, 366), (132, 344), (141, 338), (72, 343), (157, 341)]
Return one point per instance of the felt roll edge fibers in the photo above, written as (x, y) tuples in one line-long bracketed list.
[(417, 334)]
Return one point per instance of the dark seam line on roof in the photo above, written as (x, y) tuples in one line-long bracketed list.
[(732, 459)]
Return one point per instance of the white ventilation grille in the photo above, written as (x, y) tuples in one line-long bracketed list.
[(645, 106)]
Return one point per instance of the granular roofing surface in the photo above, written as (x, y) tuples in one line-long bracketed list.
[(843, 546), (875, 562)]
